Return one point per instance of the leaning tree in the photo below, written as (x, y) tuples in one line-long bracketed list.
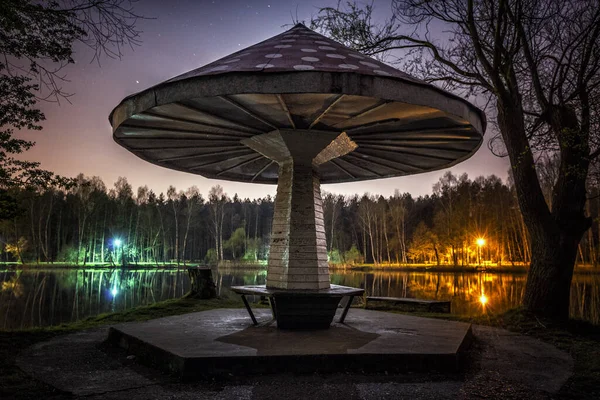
[(537, 63)]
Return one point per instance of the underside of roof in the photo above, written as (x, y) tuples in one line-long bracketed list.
[(197, 122)]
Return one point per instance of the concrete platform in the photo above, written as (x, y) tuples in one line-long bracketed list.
[(501, 365), (224, 341)]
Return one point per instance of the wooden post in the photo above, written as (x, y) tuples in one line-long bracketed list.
[(202, 285)]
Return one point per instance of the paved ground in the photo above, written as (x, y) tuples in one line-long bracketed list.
[(501, 365), (372, 340)]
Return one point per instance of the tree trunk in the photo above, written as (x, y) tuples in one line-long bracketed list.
[(387, 243), (598, 227), (102, 259), (373, 252), (256, 235), (221, 235), (330, 243), (58, 231), (93, 243), (164, 235), (176, 233), (554, 236), (33, 238), (590, 236), (187, 230), (548, 287), (202, 285)]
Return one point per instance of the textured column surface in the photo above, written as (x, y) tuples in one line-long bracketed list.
[(298, 252)]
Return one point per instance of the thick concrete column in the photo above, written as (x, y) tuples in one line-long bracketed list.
[(298, 252)]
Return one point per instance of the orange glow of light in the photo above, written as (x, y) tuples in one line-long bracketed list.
[(483, 299), (480, 242)]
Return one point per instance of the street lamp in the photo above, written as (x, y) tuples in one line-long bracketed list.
[(480, 242), (483, 299)]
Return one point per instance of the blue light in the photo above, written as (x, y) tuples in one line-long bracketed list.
[(114, 291), (117, 242)]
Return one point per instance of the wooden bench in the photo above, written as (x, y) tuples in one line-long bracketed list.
[(429, 305)]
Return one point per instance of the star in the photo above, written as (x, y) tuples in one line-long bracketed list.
[(137, 81)]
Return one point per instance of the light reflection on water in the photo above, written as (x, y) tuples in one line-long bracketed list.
[(43, 297)]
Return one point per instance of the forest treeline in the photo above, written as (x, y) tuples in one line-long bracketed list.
[(90, 223)]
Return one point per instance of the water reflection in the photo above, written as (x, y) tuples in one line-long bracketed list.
[(51, 297), (43, 297), (472, 293)]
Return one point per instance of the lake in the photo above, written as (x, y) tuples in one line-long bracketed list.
[(45, 297)]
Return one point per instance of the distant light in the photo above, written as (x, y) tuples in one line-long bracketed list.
[(480, 242), (483, 299), (114, 291), (117, 242)]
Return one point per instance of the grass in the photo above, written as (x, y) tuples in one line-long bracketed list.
[(143, 313), (579, 338)]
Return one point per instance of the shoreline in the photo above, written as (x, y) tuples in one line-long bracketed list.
[(420, 268)]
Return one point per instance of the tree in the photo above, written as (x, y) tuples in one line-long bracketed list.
[(17, 248), (174, 200), (217, 200), (83, 191), (82, 223), (353, 256), (9, 206), (36, 42), (398, 214), (537, 62), (447, 222), (366, 216), (235, 243), (192, 198), (424, 243)]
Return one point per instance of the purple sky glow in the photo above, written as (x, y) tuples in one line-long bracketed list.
[(184, 35)]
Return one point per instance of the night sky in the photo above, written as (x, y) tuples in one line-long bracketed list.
[(184, 35)]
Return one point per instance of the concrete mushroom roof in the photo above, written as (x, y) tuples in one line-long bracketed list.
[(196, 122), (299, 49)]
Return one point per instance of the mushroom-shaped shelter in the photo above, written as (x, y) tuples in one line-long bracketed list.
[(298, 109)]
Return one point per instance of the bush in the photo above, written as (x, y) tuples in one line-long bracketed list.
[(334, 256), (211, 257), (68, 254), (353, 256)]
